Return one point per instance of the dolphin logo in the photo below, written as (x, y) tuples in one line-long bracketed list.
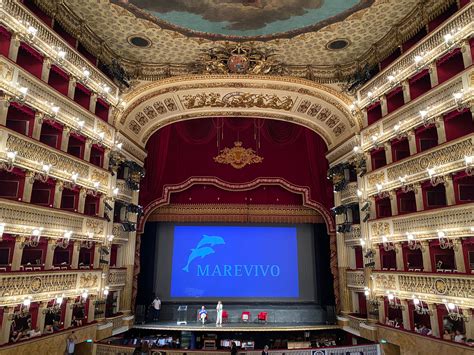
[(196, 253), (210, 240)]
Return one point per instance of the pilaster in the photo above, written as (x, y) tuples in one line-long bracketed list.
[(405, 315), (14, 47), (412, 142), (434, 320), (381, 310), (87, 149), (82, 200), (38, 123), (393, 203), (46, 69), (449, 187), (97, 255), (71, 89), (440, 130), (433, 70), (65, 139), (377, 260), (43, 308), (48, 263), (75, 254), (406, 92), (58, 193), (459, 255), (128, 262), (425, 254), (17, 254), (4, 105), (466, 55), (91, 310), (28, 187), (418, 197), (68, 313), (388, 152), (399, 256), (93, 102), (383, 105), (7, 321)]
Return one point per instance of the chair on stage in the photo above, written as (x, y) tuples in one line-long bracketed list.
[(225, 317), (245, 316), (262, 317)]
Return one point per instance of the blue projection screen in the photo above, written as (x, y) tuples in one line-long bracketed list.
[(234, 261)]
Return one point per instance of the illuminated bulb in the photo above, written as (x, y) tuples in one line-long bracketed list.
[(448, 37), (423, 113), (469, 160), (67, 235), (410, 236), (403, 179), (418, 59), (472, 229), (391, 296), (32, 30), (46, 168), (106, 89), (370, 94), (366, 293), (90, 234), (2, 229), (80, 124), (451, 306), (23, 90), (356, 149), (359, 193), (416, 301), (115, 191), (441, 234), (379, 187), (86, 73), (431, 171), (11, 155), (458, 95), (390, 78), (61, 54), (110, 237), (101, 135), (96, 184), (84, 294), (362, 242), (374, 138), (384, 239), (352, 107), (106, 292), (74, 176), (396, 127), (59, 299), (26, 302), (119, 145), (55, 109), (36, 232)]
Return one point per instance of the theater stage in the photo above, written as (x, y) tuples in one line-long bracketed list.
[(235, 327)]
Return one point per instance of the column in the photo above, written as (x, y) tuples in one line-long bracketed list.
[(91, 311), (412, 142), (14, 47), (388, 152), (65, 139), (101, 205), (393, 203), (82, 200), (97, 255), (37, 125), (75, 254), (368, 162), (440, 130), (468, 325), (383, 105), (434, 320), (48, 263), (28, 188), (365, 121), (351, 259), (405, 315), (58, 193), (449, 187), (93, 102), (418, 197), (377, 257), (425, 254), (87, 149), (17, 254), (433, 74), (381, 310), (43, 307), (46, 69), (406, 91), (71, 90), (466, 56), (4, 105), (373, 212), (106, 159), (6, 324), (399, 256), (68, 313), (459, 255)]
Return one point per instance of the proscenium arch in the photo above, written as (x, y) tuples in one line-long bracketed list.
[(320, 108)]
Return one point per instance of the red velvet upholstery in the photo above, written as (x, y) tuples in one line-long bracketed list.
[(458, 124), (59, 80), (419, 84), (400, 149), (395, 99), (5, 38), (30, 60), (449, 65), (374, 113), (262, 317)]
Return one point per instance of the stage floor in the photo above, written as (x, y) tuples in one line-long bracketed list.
[(235, 327)]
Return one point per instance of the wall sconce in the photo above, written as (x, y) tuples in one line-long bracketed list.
[(2, 229), (393, 301), (420, 306), (33, 239), (54, 111), (449, 40), (359, 193), (444, 242), (387, 246), (27, 302), (419, 62), (118, 146), (362, 242), (373, 301), (413, 244), (469, 161), (87, 244), (85, 75), (380, 192), (459, 101), (375, 140), (353, 107), (393, 81), (454, 313), (9, 164), (71, 184), (435, 180), (23, 92), (426, 119), (84, 295), (64, 242), (31, 32), (43, 176)]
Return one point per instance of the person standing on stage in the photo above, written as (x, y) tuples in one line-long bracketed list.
[(265, 350), (219, 309), (203, 314), (156, 304)]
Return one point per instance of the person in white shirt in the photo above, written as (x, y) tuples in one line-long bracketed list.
[(156, 308), (219, 309), (459, 338)]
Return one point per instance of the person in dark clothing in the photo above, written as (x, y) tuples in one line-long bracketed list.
[(233, 349), (265, 350)]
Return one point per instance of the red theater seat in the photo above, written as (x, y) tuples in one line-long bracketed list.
[(225, 316), (262, 317), (245, 316)]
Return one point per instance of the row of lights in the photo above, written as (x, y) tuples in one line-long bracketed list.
[(419, 60)]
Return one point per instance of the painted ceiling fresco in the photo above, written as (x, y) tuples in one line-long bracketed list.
[(244, 18)]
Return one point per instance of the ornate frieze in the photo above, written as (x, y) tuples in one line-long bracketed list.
[(349, 194), (117, 277), (355, 279)]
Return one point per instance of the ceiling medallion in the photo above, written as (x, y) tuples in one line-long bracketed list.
[(139, 41), (238, 60), (338, 44), (238, 156)]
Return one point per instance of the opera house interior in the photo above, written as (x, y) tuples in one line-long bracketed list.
[(236, 177)]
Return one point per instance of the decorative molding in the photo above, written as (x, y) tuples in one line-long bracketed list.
[(355, 279)]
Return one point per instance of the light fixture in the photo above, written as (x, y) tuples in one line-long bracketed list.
[(31, 32), (454, 313), (43, 176), (418, 61), (84, 295), (469, 161), (353, 108), (444, 241), (413, 244), (380, 193), (74, 177), (359, 193), (110, 238), (393, 301), (118, 145), (59, 299), (387, 246), (85, 73), (27, 302), (356, 149), (459, 101), (23, 92), (448, 39), (106, 292), (2, 229), (420, 306), (80, 124), (64, 241), (101, 136), (115, 191), (9, 164), (33, 239), (370, 297), (362, 242)]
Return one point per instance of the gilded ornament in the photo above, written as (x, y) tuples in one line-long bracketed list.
[(238, 156), (36, 284), (440, 286)]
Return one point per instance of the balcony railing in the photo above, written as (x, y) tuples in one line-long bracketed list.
[(17, 17), (431, 47), (124, 193), (434, 288), (41, 97), (31, 155), (120, 236), (446, 158), (349, 194), (117, 277), (46, 285), (455, 221), (21, 218), (355, 279), (353, 237)]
